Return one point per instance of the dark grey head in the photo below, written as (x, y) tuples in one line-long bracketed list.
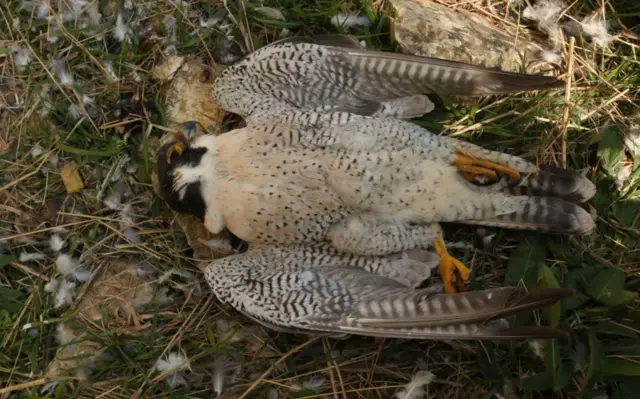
[(175, 154)]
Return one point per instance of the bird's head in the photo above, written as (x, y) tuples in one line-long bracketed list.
[(182, 165)]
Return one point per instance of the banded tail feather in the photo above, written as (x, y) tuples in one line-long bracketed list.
[(548, 214), (469, 315)]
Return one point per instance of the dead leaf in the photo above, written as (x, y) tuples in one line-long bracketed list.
[(71, 178)]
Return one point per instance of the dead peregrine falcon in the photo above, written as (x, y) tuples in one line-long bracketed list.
[(324, 157)]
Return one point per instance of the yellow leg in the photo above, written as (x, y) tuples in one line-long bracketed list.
[(177, 147), (448, 266), (470, 168)]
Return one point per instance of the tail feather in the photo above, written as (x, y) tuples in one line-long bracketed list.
[(556, 182), (387, 75), (428, 310), (469, 315), (548, 214)]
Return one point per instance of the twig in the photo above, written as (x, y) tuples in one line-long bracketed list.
[(282, 358), (24, 385), (567, 103), (33, 172)]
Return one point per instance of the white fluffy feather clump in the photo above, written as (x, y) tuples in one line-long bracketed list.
[(415, 387), (349, 20), (172, 365)]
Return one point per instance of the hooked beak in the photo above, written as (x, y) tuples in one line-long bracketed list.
[(181, 137)]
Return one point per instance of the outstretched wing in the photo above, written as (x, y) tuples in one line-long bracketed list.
[(334, 72), (299, 294)]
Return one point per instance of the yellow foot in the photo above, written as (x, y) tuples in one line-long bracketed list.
[(471, 168), (448, 266), (177, 147)]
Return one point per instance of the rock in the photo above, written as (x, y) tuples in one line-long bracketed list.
[(426, 28), (189, 96)]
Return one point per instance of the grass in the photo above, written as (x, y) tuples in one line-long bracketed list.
[(104, 121)]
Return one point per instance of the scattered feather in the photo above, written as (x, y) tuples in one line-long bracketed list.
[(21, 57), (64, 334), (284, 33), (550, 57), (349, 20), (42, 12), (273, 394), (220, 367), (144, 269), (125, 217), (270, 12), (596, 30), (580, 356), (25, 5), (52, 285), (210, 23), (64, 294), (632, 140), (53, 34), (623, 176), (56, 243), (69, 266), (94, 13), (65, 78), (172, 365), (108, 66), (121, 32), (75, 112), (537, 347), (48, 388), (132, 235), (31, 256), (546, 14), (112, 201), (167, 275), (53, 159), (169, 23), (314, 382), (415, 388), (220, 243), (36, 151)]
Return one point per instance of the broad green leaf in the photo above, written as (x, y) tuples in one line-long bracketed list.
[(220, 350), (553, 361), (525, 261), (593, 393), (560, 250), (614, 329), (611, 150), (577, 279), (487, 360), (597, 359), (211, 336), (628, 347), (607, 287), (575, 301), (546, 279), (604, 197), (11, 300), (5, 260), (537, 382), (620, 366), (627, 212)]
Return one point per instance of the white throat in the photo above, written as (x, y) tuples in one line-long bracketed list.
[(205, 173)]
